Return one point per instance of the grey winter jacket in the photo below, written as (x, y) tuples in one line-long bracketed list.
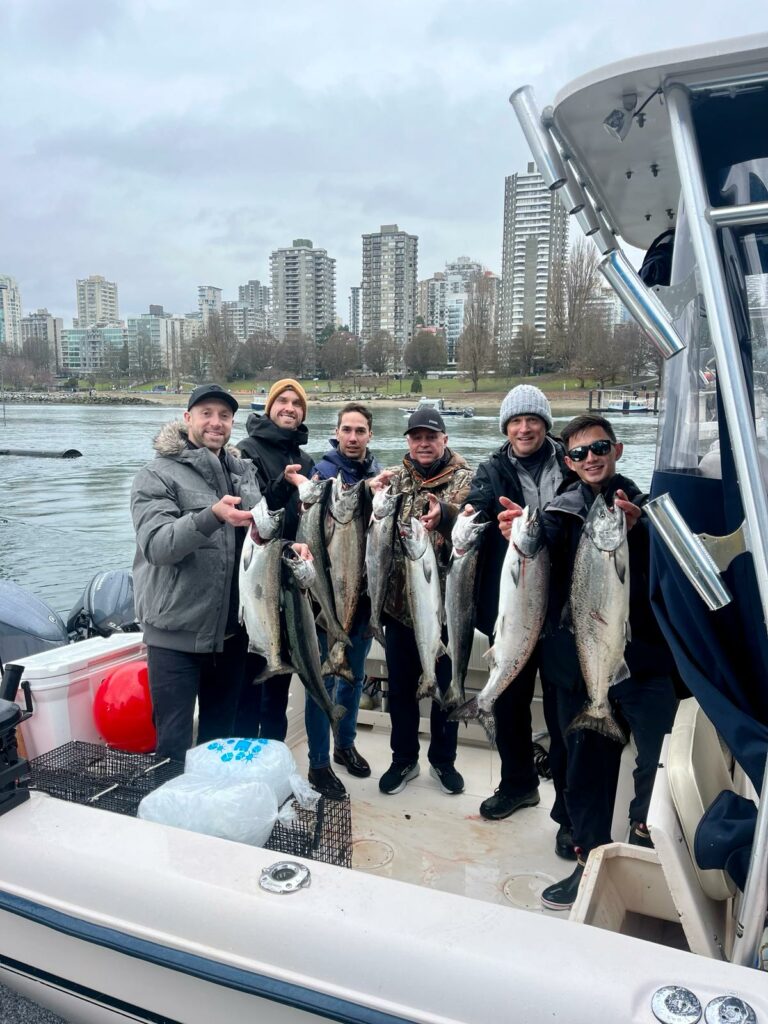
[(185, 557)]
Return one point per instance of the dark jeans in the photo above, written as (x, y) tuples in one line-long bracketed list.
[(647, 708), (261, 710), (178, 678), (403, 671)]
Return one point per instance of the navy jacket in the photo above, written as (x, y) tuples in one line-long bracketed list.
[(352, 471)]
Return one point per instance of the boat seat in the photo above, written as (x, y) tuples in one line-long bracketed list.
[(698, 771)]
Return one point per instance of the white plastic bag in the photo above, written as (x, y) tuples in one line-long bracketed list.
[(268, 761), (243, 811)]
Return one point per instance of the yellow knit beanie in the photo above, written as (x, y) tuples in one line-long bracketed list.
[(287, 384)]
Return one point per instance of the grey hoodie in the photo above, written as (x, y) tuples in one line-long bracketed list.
[(185, 557)]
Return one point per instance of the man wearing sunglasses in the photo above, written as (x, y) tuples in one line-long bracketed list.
[(528, 469), (645, 703)]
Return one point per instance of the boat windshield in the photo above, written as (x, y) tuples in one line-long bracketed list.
[(689, 433)]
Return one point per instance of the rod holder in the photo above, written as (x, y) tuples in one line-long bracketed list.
[(540, 142), (689, 552), (644, 305)]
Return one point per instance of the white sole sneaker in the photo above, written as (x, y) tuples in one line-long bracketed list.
[(405, 780)]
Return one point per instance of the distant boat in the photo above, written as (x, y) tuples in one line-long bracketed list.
[(438, 404), (258, 403), (626, 402)]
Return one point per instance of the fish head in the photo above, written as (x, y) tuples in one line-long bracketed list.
[(302, 569), (266, 523), (384, 503), (311, 491), (606, 527), (346, 502), (526, 532), (415, 538), (466, 534)]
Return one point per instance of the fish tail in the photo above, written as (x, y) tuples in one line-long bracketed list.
[(605, 725), (426, 688), (336, 715), (466, 712), (282, 668), (453, 695)]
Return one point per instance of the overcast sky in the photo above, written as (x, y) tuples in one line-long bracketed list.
[(170, 143)]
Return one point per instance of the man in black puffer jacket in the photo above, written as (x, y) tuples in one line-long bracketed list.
[(274, 444), (527, 470)]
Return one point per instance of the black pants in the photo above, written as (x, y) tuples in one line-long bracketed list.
[(403, 671), (514, 741), (261, 710), (644, 706), (178, 678)]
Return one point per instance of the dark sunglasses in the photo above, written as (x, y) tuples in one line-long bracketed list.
[(580, 452)]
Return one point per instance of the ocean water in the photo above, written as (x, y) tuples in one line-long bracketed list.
[(61, 520)]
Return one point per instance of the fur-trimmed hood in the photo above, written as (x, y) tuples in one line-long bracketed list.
[(171, 440)]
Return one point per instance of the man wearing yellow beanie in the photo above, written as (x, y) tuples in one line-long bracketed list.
[(274, 443)]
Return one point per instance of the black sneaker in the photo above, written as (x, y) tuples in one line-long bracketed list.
[(501, 805), (562, 895), (397, 776), (450, 780), (327, 783), (639, 835), (564, 843)]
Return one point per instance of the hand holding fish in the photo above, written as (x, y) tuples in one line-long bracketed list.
[(378, 483), (510, 511), (225, 511), (433, 515), (293, 474), (302, 550), (632, 512), (468, 510)]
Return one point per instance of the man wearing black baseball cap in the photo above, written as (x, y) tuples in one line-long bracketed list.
[(435, 482), (187, 506)]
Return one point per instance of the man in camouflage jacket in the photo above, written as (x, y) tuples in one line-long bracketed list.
[(435, 482)]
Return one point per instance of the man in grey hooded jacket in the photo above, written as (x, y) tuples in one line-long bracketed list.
[(187, 506)]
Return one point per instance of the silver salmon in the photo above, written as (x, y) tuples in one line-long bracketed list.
[(259, 583), (422, 585), (345, 540), (301, 635), (523, 594), (461, 599), (380, 553), (600, 613)]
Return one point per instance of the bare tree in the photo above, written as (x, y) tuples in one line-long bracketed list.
[(144, 357), (256, 353), (297, 354), (379, 352), (220, 347), (193, 360), (606, 358), (425, 351), (38, 352), (641, 357), (572, 285), (338, 355), (524, 350), (476, 352)]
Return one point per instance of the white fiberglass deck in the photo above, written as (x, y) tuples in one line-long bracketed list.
[(432, 839)]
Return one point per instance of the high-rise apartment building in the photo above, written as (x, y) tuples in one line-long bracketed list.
[(303, 290), (389, 285), (208, 301), (355, 321), (535, 239), (94, 349), (43, 331), (96, 302), (254, 294), (243, 319), (10, 314)]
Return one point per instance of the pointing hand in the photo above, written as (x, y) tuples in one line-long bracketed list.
[(510, 511)]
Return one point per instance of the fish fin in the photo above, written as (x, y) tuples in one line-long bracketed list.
[(466, 712), (605, 725), (426, 688), (283, 668), (442, 650), (241, 614), (439, 699), (622, 673), (514, 572), (620, 562), (628, 632), (427, 571), (490, 657), (336, 715)]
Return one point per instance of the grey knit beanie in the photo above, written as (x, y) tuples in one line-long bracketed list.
[(524, 400)]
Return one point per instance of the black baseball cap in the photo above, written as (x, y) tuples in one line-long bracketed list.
[(203, 391), (429, 419)]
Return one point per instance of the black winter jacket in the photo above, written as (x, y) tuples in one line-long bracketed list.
[(495, 478), (646, 653), (272, 448)]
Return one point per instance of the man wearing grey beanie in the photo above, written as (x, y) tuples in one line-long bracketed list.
[(527, 470)]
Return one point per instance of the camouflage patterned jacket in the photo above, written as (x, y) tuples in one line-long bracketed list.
[(450, 487)]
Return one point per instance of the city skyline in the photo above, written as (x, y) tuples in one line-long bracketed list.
[(158, 156)]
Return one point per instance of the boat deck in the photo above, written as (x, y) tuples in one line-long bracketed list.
[(430, 838)]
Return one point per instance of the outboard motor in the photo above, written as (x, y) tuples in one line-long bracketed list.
[(27, 624), (105, 606)]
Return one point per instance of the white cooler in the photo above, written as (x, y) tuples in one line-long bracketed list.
[(64, 682)]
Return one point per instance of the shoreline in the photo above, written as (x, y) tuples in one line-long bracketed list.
[(483, 402)]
